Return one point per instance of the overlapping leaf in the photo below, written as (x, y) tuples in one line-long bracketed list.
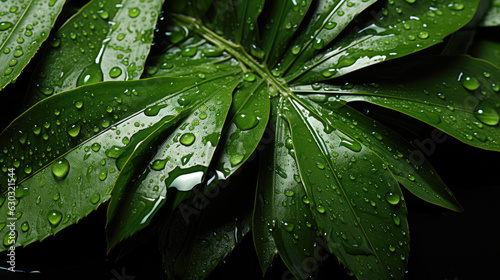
[(74, 146), (23, 28), (457, 94), (105, 40)]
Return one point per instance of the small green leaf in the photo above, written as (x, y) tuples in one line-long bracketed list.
[(249, 117), (23, 29)]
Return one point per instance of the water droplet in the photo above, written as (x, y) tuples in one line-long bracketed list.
[(103, 174), (470, 83), (288, 227), (96, 147), (54, 217), (103, 14), (60, 168), (74, 130), (4, 25), (352, 145), (487, 113), (115, 72), (320, 208), (327, 73), (456, 6), (396, 219), (159, 164), (249, 77), (245, 121), (236, 159), (95, 198), (25, 226), (79, 104), (289, 193), (187, 139), (330, 25), (134, 12), (90, 75), (392, 198), (423, 35), (296, 49)]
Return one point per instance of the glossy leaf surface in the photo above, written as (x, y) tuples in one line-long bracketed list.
[(23, 29), (104, 41)]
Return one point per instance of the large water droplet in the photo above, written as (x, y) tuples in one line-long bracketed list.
[(74, 130), (4, 25), (187, 139), (487, 113), (392, 198), (60, 168), (115, 72), (95, 198), (134, 12), (245, 121), (236, 159), (470, 83), (54, 217), (90, 75), (159, 164), (352, 145)]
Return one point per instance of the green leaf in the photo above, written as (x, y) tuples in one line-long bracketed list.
[(326, 23), (180, 158), (202, 231), (398, 29), (73, 145), (249, 117), (104, 41), (355, 200), (487, 50), (23, 29), (282, 20), (283, 207), (492, 17), (456, 94)]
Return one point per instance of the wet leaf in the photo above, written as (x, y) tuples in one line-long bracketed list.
[(104, 41), (23, 29)]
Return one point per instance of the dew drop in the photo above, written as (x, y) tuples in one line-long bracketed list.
[(90, 75), (115, 72), (352, 145), (95, 198), (470, 83), (249, 77), (236, 159), (134, 12), (159, 164), (60, 168), (487, 113), (25, 226), (187, 139), (245, 121), (392, 198), (54, 217), (74, 130), (4, 25)]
